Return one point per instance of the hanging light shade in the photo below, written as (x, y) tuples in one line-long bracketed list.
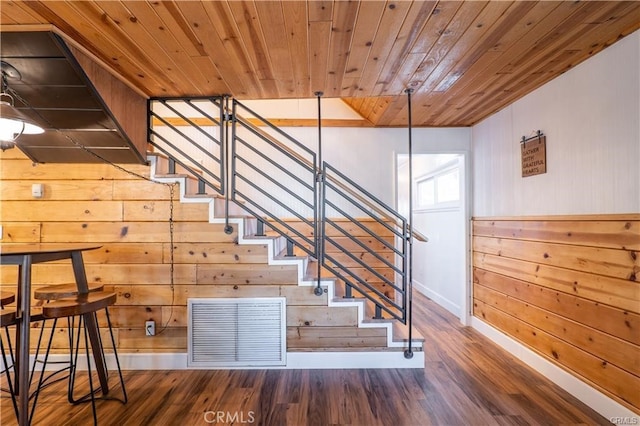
[(13, 123)]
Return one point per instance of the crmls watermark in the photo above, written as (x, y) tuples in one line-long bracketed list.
[(625, 420), (227, 417)]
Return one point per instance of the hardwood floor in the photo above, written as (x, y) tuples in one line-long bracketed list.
[(467, 380)]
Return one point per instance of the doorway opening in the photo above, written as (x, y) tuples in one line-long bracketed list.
[(441, 265)]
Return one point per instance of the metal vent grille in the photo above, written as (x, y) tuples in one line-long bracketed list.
[(248, 332)]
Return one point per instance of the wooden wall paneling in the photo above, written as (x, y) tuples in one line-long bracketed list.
[(611, 291), (20, 232), (173, 339), (26, 170), (620, 231), (123, 253), (612, 380), (159, 210), (616, 351), (144, 232), (59, 190), (602, 261), (61, 273), (565, 286), (615, 321), (246, 274), (133, 316), (323, 316), (335, 337), (66, 211), (166, 296), (215, 253), (129, 109), (139, 190)]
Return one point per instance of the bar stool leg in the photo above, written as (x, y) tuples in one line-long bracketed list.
[(7, 367)]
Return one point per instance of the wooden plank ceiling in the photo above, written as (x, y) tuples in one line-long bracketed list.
[(464, 60)]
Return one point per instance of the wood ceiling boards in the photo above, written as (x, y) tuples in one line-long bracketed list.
[(464, 60)]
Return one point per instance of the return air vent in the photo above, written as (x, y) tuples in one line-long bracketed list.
[(247, 332)]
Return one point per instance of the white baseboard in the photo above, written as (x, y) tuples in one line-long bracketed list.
[(438, 298), (295, 361), (595, 399)]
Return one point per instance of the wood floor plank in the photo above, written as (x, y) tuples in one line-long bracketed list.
[(467, 380)]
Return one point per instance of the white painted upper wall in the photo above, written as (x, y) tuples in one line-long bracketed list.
[(591, 117)]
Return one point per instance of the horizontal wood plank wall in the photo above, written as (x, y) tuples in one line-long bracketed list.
[(129, 217), (568, 287)]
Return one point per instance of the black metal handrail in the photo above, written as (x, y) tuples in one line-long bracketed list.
[(262, 194), (337, 194), (275, 178), (211, 171)]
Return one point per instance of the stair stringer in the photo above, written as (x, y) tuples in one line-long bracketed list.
[(276, 245)]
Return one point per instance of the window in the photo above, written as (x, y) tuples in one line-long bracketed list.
[(439, 189)]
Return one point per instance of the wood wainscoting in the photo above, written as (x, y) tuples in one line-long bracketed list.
[(567, 287)]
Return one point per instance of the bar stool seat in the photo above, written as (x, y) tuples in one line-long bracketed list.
[(84, 307), (78, 305), (6, 298), (61, 291)]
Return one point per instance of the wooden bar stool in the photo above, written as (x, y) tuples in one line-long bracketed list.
[(6, 298), (46, 294), (80, 306), (7, 319)]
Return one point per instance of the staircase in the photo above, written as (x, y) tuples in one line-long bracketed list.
[(204, 145)]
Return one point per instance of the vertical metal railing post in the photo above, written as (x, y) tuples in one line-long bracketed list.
[(319, 212), (408, 353), (224, 130)]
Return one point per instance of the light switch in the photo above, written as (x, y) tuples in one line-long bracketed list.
[(37, 190)]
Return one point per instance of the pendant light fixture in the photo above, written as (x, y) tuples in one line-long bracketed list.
[(13, 123)]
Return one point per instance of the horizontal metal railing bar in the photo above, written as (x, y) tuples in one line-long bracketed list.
[(360, 207), (309, 164), (191, 123), (284, 206), (257, 214), (273, 181), (191, 141), (278, 130), (364, 228), (338, 274), (365, 266), (186, 156), (192, 172), (364, 247), (393, 214), (206, 114), (277, 165)]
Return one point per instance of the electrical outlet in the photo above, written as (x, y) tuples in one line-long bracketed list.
[(150, 328)]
